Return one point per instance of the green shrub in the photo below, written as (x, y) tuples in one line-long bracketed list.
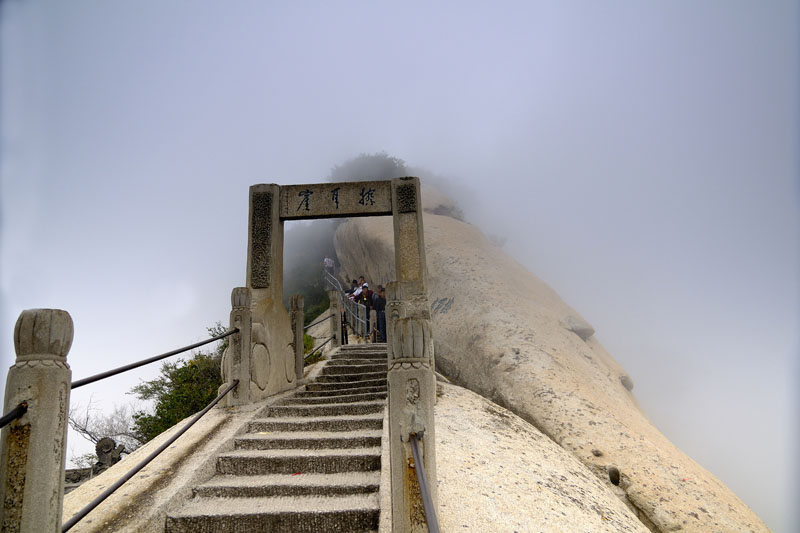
[(182, 389)]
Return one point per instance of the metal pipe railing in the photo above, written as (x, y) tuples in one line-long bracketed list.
[(319, 347), (351, 307), (424, 490), (120, 370), (13, 414), (319, 321), (132, 472)]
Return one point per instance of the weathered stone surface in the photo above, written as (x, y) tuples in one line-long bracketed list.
[(495, 468), (32, 447), (499, 331), (578, 326), (317, 200)]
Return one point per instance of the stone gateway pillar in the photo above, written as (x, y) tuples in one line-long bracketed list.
[(272, 357), (412, 383), (32, 453)]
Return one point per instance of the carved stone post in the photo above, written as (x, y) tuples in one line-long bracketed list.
[(236, 359), (32, 453), (360, 327), (336, 320), (296, 314), (411, 379), (373, 325)]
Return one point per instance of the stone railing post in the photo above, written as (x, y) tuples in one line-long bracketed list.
[(296, 315), (236, 359), (32, 453), (412, 394), (362, 314), (336, 321), (373, 325)]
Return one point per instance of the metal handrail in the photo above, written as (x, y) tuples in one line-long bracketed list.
[(114, 372), (424, 490), (330, 278), (132, 472), (347, 304), (13, 414), (319, 321), (319, 347)]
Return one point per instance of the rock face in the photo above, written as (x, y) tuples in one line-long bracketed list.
[(494, 468), (503, 333)]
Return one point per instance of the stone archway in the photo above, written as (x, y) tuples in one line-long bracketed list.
[(412, 385)]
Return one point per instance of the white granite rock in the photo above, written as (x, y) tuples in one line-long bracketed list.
[(499, 473), (503, 333)]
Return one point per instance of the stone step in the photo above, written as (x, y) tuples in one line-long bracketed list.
[(332, 368), (330, 398), (351, 376), (363, 348), (331, 409), (298, 514), (267, 440), (364, 345), (338, 392), (360, 355), (317, 423), (272, 485), (336, 385), (355, 360), (328, 461)]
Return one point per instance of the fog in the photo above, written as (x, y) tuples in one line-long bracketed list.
[(641, 158)]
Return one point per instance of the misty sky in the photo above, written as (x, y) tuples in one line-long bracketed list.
[(640, 157)]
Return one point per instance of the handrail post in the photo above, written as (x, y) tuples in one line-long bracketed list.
[(373, 325), (296, 315), (32, 452), (336, 321), (236, 359)]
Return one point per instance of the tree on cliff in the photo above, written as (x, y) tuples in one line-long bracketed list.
[(182, 389)]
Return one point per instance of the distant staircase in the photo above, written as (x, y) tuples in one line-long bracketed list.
[(311, 464)]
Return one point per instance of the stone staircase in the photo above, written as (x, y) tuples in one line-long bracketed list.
[(312, 463)]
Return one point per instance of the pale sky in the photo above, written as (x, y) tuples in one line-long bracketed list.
[(642, 158)]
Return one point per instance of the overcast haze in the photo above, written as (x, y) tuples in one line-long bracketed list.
[(640, 157)]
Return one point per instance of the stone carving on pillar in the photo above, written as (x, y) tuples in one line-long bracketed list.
[(236, 362), (261, 239), (32, 452), (108, 453), (412, 343)]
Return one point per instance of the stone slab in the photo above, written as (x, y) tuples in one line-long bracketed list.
[(332, 200)]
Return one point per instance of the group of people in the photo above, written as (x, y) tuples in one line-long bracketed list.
[(360, 292)]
